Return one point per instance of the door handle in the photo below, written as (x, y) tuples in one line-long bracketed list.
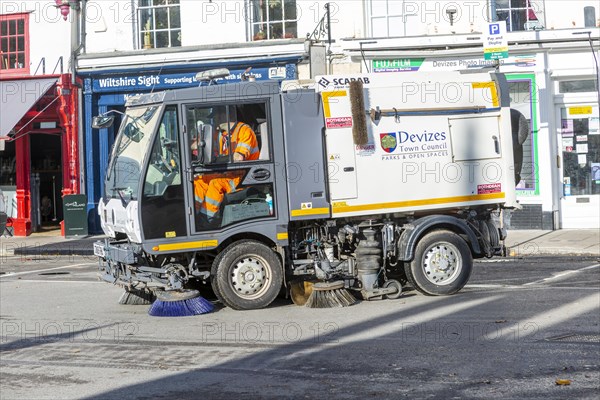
[(496, 144), (261, 174), (348, 169)]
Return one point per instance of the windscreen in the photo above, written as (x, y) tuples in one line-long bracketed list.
[(129, 151)]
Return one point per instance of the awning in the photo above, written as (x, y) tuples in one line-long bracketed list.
[(17, 97)]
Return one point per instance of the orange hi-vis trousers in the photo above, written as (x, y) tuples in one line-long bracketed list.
[(209, 193)]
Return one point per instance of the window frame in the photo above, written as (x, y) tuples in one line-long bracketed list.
[(263, 138), (530, 168), (230, 169), (151, 33), (527, 9), (387, 16), (254, 8), (25, 70)]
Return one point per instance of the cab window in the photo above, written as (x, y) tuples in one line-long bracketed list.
[(224, 134)]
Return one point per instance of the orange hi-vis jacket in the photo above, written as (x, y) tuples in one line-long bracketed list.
[(243, 141)]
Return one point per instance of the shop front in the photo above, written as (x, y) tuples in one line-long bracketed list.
[(38, 150), (577, 127), (108, 90)]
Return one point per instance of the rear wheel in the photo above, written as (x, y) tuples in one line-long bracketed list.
[(442, 264), (246, 275)]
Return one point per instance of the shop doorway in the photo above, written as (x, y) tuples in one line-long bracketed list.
[(46, 179), (579, 150)]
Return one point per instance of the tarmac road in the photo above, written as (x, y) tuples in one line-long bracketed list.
[(520, 324)]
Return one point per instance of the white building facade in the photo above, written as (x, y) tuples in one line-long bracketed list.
[(132, 46)]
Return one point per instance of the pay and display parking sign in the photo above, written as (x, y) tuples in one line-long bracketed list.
[(495, 44)]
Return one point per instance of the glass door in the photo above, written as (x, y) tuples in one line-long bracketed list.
[(579, 148), (233, 173)]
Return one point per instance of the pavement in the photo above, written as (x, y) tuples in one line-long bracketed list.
[(520, 243), (584, 242), (48, 243)]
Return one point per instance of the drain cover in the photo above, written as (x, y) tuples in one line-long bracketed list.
[(577, 338), (54, 273)]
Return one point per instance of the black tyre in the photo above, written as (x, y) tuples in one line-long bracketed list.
[(442, 264), (247, 275)]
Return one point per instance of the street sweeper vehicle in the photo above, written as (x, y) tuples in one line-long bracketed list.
[(326, 190)]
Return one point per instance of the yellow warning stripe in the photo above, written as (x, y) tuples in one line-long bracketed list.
[(282, 236), (326, 95), (187, 245), (310, 211), (493, 90), (341, 208)]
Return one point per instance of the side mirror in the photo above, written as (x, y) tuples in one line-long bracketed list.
[(133, 132), (103, 121)]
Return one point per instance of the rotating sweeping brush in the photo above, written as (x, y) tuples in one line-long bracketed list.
[(300, 291), (357, 108), (182, 303), (329, 295), (136, 297)]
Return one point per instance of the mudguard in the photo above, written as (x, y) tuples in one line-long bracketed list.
[(416, 229)]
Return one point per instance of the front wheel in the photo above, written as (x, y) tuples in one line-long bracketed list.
[(247, 275), (442, 264)]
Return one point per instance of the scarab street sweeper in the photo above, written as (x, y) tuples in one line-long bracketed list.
[(336, 188)]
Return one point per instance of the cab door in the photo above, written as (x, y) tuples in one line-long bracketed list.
[(163, 200), (232, 171)]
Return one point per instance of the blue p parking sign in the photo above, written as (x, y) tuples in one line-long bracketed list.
[(495, 44), (494, 29)]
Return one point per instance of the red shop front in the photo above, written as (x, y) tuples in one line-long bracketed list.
[(39, 156)]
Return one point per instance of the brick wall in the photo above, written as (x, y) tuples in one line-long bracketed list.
[(532, 217)]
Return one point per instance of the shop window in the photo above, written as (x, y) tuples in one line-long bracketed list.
[(521, 100), (14, 44), (8, 167), (580, 144), (273, 19), (577, 86), (520, 15), (159, 23)]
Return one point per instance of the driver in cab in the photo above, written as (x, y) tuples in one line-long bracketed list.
[(209, 190)]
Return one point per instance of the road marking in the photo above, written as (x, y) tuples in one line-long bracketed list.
[(561, 275), (53, 281), (523, 287), (493, 286), (44, 270)]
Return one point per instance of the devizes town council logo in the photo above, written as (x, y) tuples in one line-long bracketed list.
[(389, 141)]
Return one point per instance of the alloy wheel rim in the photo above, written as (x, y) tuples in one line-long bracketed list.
[(442, 263), (250, 276)]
